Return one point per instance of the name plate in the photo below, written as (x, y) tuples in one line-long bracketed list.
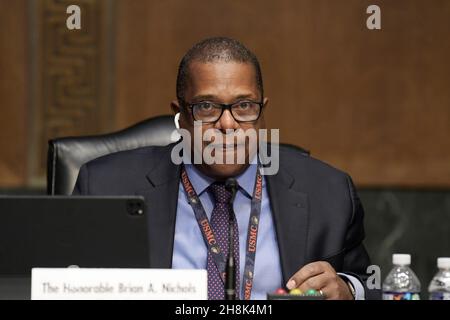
[(118, 284)]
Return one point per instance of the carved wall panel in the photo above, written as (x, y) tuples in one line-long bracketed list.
[(72, 74)]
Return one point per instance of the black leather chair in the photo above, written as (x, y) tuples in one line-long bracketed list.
[(67, 155)]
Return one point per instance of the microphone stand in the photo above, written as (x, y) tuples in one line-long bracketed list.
[(230, 274)]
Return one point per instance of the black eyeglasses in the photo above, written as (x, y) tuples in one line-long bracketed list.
[(210, 112)]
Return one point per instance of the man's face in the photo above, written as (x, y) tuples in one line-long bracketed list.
[(221, 82)]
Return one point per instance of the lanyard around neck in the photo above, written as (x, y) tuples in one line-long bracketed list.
[(210, 239)]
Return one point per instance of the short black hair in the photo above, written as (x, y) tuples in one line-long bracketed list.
[(214, 50)]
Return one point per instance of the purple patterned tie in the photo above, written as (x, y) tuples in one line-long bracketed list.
[(219, 224)]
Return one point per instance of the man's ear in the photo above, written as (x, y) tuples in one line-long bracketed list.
[(262, 119), (175, 106), (176, 109)]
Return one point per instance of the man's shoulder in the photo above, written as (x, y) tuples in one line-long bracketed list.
[(125, 167), (121, 172), (144, 156), (299, 162)]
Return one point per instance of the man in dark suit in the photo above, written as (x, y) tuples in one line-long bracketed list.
[(300, 228)]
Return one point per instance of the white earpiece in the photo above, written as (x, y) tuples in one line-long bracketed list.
[(176, 120)]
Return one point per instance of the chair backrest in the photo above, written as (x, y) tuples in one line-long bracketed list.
[(67, 155)]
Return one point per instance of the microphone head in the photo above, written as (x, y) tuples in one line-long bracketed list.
[(231, 184)]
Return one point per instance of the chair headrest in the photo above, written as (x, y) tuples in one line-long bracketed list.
[(67, 155)]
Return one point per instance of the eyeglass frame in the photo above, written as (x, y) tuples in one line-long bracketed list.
[(224, 106)]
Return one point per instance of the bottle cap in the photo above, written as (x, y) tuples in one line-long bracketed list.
[(401, 259), (443, 263)]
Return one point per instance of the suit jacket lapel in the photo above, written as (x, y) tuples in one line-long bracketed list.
[(161, 199), (290, 214)]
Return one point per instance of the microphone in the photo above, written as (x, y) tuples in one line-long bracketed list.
[(231, 185)]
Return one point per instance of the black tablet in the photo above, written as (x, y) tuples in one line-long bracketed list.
[(63, 231)]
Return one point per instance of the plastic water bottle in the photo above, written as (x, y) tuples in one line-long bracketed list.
[(439, 288), (401, 282)]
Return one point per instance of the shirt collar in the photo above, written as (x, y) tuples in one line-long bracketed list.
[(201, 182)]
